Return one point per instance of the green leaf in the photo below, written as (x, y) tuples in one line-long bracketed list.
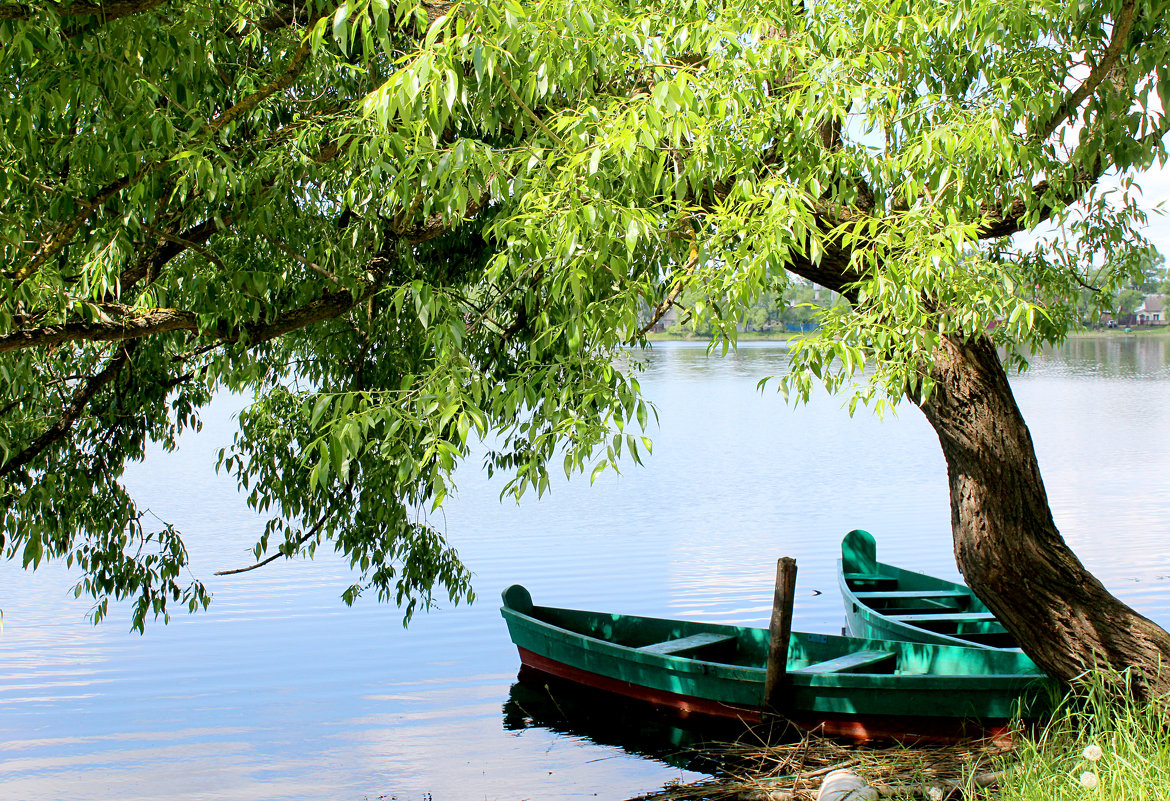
[(341, 26), (597, 471)]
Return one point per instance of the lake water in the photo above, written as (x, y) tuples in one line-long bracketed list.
[(279, 691)]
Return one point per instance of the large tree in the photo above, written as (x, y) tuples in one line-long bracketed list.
[(404, 226)]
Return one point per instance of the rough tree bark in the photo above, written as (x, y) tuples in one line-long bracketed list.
[(1006, 542)]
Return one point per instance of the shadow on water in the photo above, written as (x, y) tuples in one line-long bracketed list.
[(539, 701)]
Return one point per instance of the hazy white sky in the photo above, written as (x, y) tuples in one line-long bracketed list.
[(1155, 184)]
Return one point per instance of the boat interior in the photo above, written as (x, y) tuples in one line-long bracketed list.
[(916, 599)]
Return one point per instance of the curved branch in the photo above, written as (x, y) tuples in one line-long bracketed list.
[(136, 324), (439, 223), (299, 542), (174, 245), (1010, 220), (326, 307), (1121, 28), (280, 83), (65, 233), (63, 424), (661, 309)]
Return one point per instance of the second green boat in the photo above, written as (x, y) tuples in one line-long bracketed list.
[(897, 604)]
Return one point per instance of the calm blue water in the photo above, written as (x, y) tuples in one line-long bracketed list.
[(279, 691)]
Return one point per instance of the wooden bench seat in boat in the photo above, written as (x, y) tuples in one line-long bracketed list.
[(877, 579), (878, 595), (949, 617), (700, 640), (848, 662)]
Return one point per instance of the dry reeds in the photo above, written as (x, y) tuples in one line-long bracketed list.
[(757, 771)]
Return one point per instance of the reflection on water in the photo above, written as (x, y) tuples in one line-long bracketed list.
[(280, 691), (1134, 357), (539, 701)]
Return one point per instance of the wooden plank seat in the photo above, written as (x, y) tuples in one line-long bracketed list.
[(948, 617), (876, 579), (894, 594), (848, 662), (691, 643)]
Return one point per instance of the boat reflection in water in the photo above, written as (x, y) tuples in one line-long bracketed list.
[(540, 701)]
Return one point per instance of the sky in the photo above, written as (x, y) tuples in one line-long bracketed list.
[(1155, 184)]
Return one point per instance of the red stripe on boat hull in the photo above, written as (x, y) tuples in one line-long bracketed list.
[(684, 705), (915, 729)]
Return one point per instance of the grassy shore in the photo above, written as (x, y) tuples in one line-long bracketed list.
[(1096, 747)]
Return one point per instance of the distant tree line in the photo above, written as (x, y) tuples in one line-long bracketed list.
[(789, 308)]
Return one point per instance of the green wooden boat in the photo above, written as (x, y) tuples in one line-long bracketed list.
[(887, 602), (844, 686)]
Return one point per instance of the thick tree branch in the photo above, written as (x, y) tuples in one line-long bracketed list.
[(1007, 221), (133, 324), (176, 239), (1121, 29), (299, 59), (65, 233), (172, 246), (1011, 220), (326, 307), (438, 224), (129, 325)]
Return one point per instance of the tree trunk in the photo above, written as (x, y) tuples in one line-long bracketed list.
[(1006, 543)]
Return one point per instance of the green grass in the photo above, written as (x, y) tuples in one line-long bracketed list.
[(1054, 763)]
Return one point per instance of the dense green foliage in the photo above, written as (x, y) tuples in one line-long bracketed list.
[(402, 227)]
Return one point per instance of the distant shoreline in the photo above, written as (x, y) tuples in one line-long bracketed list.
[(784, 336), (1148, 331), (743, 336)]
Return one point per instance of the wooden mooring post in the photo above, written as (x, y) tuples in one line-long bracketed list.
[(778, 634)]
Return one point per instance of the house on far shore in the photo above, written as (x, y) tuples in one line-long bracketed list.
[(1152, 311), (668, 319)]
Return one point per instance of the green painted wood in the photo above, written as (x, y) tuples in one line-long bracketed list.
[(959, 617), (884, 601), (936, 681), (684, 644), (870, 578), (853, 661), (896, 594), (859, 553)]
